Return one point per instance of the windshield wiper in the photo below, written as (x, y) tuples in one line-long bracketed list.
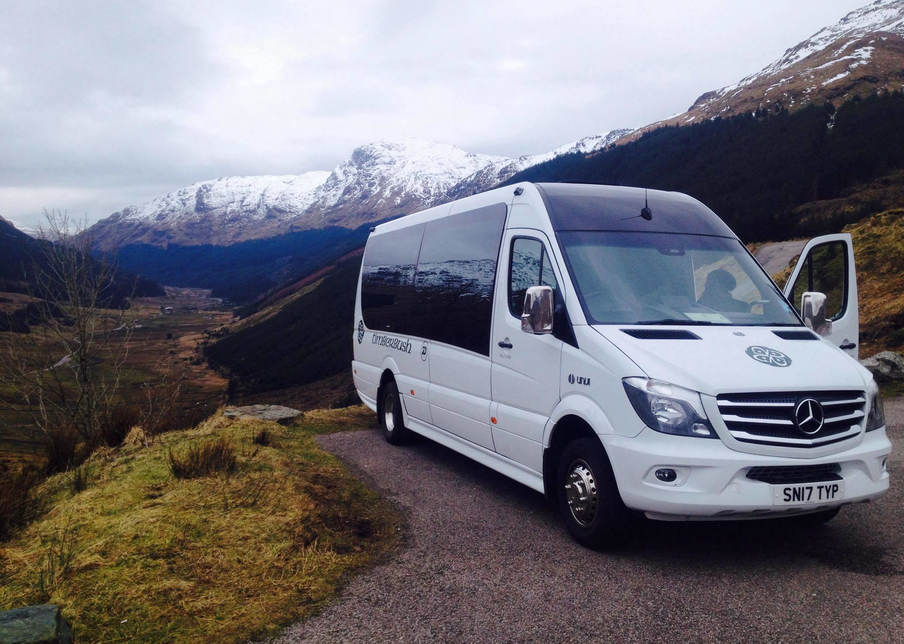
[(682, 322)]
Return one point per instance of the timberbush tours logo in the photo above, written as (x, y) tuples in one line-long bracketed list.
[(400, 344), (360, 331), (769, 356)]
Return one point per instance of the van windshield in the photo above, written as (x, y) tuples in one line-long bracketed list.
[(657, 278)]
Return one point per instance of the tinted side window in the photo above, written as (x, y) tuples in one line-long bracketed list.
[(456, 272), (387, 280), (825, 271), (530, 266)]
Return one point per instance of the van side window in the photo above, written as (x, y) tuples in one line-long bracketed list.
[(387, 279), (530, 266), (456, 273)]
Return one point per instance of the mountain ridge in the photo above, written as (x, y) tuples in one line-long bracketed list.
[(380, 180), (860, 55)]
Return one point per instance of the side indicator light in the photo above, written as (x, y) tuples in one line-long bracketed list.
[(493, 419), (412, 392)]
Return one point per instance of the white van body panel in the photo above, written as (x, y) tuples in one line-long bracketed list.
[(503, 408), (719, 363)]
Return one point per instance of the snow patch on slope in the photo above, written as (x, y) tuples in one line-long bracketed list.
[(883, 15), (247, 198)]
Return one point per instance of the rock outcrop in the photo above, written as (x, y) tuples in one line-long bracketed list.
[(886, 366), (34, 625)]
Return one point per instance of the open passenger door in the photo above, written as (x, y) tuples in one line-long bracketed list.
[(823, 290)]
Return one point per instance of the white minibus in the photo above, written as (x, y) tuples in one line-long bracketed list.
[(621, 351)]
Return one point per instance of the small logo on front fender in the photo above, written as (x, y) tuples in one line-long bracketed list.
[(578, 380), (360, 331)]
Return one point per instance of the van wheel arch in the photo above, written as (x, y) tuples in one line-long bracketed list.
[(566, 430), (385, 378)]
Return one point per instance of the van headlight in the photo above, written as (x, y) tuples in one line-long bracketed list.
[(668, 408), (876, 417)]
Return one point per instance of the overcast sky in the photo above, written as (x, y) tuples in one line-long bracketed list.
[(109, 104)]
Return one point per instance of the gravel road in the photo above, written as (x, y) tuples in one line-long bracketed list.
[(487, 560), (776, 257)]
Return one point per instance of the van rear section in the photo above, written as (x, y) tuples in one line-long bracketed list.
[(620, 350)]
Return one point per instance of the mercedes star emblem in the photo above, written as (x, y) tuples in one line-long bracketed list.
[(809, 416)]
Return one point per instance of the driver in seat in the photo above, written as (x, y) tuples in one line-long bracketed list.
[(717, 293)]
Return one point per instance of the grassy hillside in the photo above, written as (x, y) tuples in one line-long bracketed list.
[(755, 171), (879, 257), (133, 554), (307, 337)]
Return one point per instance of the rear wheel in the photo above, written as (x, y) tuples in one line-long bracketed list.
[(391, 421), (589, 501)]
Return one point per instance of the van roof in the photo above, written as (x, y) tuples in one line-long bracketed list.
[(575, 206)]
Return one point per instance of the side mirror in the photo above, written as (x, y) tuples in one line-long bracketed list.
[(539, 306), (813, 311)]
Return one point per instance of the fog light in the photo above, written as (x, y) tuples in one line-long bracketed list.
[(701, 430), (666, 475), (885, 464)]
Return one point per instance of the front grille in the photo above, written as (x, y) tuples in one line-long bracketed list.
[(768, 418), (791, 474)]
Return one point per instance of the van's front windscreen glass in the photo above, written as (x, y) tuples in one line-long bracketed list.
[(656, 278)]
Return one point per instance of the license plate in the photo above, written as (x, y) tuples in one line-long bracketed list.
[(807, 493)]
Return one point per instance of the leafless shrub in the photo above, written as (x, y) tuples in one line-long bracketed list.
[(117, 424), (63, 448), (18, 503), (68, 371)]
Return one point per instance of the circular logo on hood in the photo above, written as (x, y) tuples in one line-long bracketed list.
[(769, 356), (360, 331)]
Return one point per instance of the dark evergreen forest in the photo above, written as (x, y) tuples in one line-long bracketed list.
[(753, 170)]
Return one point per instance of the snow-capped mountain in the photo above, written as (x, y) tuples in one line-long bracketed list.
[(380, 180), (863, 53), (495, 173), (390, 178), (221, 211)]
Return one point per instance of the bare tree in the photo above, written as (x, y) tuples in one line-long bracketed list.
[(67, 372)]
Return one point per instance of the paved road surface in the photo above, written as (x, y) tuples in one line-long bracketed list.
[(488, 561), (776, 257)]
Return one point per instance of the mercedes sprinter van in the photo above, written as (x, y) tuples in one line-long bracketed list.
[(620, 350)]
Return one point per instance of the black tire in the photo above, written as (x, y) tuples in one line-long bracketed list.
[(391, 419), (814, 520), (602, 521)]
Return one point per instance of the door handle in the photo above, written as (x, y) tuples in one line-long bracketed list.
[(505, 344), (847, 346)]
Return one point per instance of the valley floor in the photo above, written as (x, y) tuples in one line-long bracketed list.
[(162, 345)]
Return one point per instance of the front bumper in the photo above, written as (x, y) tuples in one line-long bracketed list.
[(712, 479)]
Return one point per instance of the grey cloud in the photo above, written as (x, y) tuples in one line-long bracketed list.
[(107, 104)]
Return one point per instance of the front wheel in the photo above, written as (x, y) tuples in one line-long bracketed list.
[(589, 501), (391, 421)]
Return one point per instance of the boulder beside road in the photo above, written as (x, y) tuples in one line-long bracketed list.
[(275, 413), (886, 366), (34, 625)]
